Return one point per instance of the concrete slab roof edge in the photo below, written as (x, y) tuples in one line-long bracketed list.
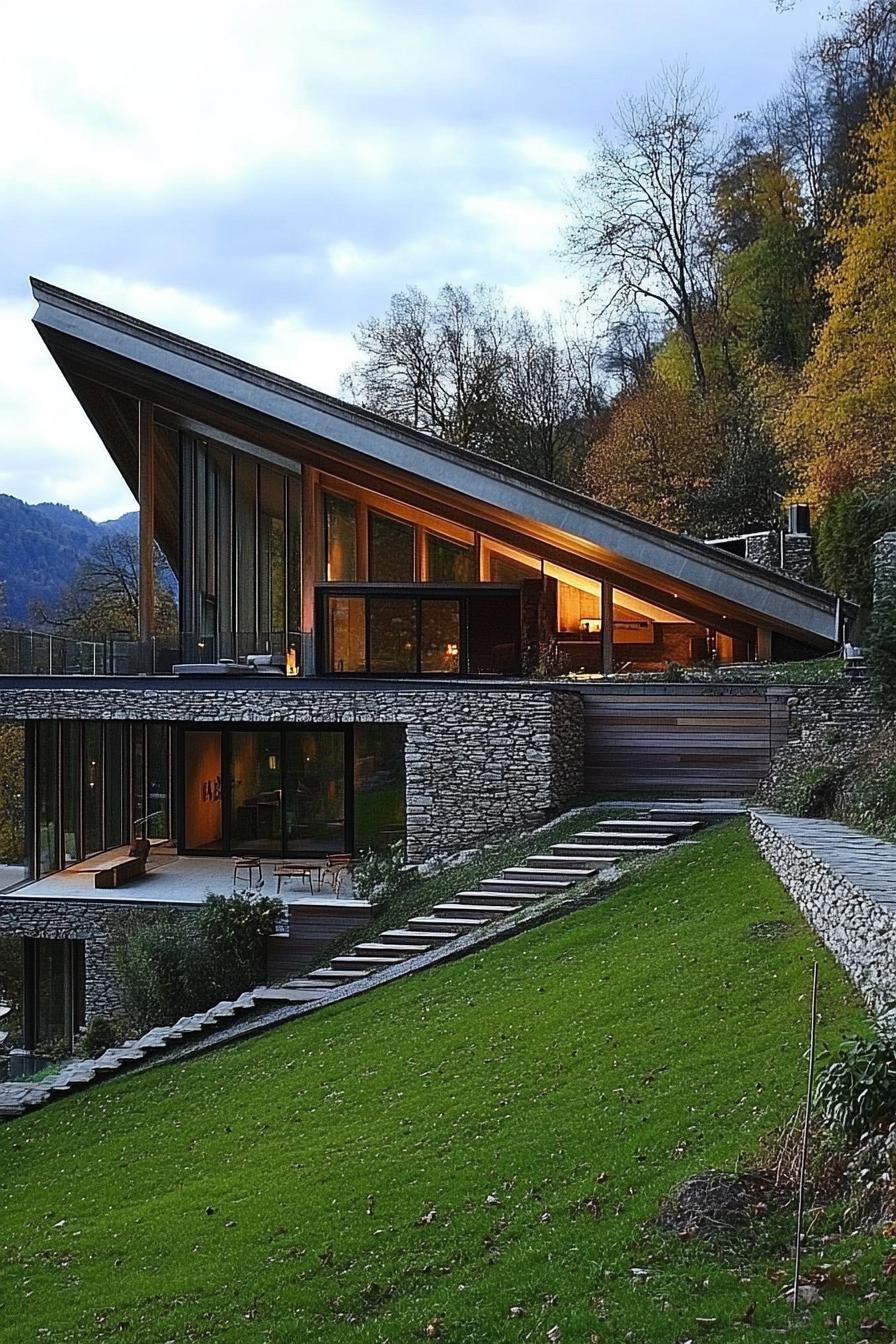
[(773, 598)]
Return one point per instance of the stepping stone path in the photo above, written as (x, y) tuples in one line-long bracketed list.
[(512, 890)]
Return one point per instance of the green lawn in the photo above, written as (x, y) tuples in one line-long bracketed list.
[(274, 1192)]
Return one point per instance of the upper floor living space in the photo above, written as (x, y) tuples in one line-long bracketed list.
[(311, 537)]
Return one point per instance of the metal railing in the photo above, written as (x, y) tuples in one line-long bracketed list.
[(36, 653)]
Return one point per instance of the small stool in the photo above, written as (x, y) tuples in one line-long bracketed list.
[(244, 866)]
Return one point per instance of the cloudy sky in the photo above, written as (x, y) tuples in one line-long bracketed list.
[(261, 175)]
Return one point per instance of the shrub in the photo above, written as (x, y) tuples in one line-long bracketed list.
[(165, 968), (100, 1034), (381, 874), (235, 930), (857, 1092)]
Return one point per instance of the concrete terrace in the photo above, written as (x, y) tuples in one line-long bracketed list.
[(178, 880)]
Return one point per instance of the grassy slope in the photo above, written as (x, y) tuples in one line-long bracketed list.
[(644, 1038)]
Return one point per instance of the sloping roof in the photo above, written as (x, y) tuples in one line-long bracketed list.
[(97, 347)]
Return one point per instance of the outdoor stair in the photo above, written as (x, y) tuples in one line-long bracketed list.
[(510, 891)]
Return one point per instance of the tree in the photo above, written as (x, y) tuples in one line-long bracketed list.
[(103, 598), (493, 381), (658, 455), (851, 523), (642, 224), (769, 270), (841, 423)]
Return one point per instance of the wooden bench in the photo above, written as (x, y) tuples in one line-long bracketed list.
[(117, 872)]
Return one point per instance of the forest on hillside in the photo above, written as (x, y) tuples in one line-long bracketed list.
[(736, 343)]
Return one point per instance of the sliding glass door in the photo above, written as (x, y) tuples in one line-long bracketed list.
[(268, 791)]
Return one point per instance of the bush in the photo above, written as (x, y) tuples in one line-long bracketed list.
[(164, 967), (857, 1092), (852, 521), (100, 1034), (381, 874), (171, 965), (235, 930)]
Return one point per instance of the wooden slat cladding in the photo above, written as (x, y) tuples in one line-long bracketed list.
[(680, 740)]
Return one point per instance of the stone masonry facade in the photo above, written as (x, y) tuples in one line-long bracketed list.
[(95, 922), (479, 762)]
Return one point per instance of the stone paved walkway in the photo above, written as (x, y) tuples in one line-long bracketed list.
[(866, 862)]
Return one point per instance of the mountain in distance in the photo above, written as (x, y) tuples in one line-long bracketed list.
[(41, 546)]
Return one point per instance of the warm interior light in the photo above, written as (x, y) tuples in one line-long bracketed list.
[(451, 650), (272, 761)]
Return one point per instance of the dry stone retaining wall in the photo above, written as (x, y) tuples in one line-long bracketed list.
[(844, 883)]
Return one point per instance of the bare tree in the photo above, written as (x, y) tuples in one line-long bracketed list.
[(103, 598), (643, 213), (496, 382)]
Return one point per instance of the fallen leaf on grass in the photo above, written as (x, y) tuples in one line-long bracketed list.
[(874, 1327), (806, 1294), (426, 1218), (433, 1328)]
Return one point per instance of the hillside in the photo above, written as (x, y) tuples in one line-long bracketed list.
[(488, 1136), (41, 546)]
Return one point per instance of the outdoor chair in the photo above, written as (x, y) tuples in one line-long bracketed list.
[(338, 868)]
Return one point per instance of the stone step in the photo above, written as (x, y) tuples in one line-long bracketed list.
[(450, 909), (547, 877), (541, 885), (505, 898), (336, 977), (619, 844), (300, 982), (287, 994), (605, 855), (353, 960), (188, 1026), (704, 816), (453, 927), (410, 949), (421, 938), (680, 827), (580, 866), (11, 1110), (646, 835)]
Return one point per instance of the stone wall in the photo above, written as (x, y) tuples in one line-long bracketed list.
[(93, 921), (857, 928), (479, 761), (785, 552), (825, 723)]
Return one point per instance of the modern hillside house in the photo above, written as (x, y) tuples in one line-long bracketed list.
[(361, 610)]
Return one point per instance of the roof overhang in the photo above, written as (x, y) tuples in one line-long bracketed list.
[(102, 352)]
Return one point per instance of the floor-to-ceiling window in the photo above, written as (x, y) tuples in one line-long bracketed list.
[(92, 784), (292, 790), (241, 553)]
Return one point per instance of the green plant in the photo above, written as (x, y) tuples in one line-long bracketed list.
[(165, 968), (235, 930), (100, 1034), (674, 672), (381, 874), (857, 1092)]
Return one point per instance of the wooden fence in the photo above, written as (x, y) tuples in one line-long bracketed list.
[(668, 739)]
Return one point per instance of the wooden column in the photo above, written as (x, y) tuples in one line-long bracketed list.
[(146, 499), (763, 644), (606, 627)]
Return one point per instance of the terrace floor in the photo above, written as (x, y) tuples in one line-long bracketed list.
[(179, 879)]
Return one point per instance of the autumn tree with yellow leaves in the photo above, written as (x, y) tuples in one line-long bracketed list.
[(841, 423)]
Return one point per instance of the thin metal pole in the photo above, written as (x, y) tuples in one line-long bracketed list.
[(804, 1147)]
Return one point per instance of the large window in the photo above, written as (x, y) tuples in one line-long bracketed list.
[(421, 630), (391, 550), (271, 791), (240, 589), (341, 538), (91, 783), (449, 561)]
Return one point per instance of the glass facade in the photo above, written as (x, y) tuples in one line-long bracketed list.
[(54, 1008), (420, 631), (292, 791), (241, 560), (341, 539), (449, 561), (91, 783), (391, 550)]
